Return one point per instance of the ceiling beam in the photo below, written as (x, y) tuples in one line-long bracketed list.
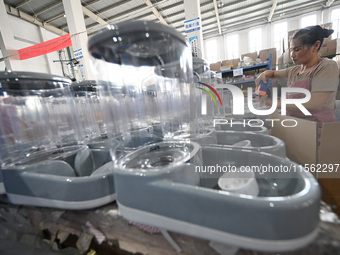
[(246, 23), (111, 7), (297, 10), (136, 18), (272, 10), (89, 3), (55, 18), (117, 16), (94, 16), (22, 3), (329, 3), (16, 12), (47, 8), (155, 11), (217, 17), (57, 3), (223, 19)]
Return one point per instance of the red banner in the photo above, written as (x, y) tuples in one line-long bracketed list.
[(39, 49)]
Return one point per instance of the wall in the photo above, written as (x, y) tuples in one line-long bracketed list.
[(27, 34), (267, 33), (2, 63)]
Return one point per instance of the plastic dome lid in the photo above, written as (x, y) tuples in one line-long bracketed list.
[(86, 86), (200, 65), (137, 43), (31, 81)]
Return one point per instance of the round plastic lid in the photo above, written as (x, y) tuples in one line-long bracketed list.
[(137, 43), (31, 81), (87, 85), (199, 65)]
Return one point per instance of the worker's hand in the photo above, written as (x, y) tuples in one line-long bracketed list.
[(262, 77)]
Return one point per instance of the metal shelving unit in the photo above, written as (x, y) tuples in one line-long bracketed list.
[(267, 65)]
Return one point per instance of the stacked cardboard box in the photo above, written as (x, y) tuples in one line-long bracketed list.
[(216, 67), (252, 55), (328, 47), (322, 161), (264, 55), (233, 63)]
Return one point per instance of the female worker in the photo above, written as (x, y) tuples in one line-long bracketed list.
[(319, 75)]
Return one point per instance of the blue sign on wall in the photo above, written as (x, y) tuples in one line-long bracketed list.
[(192, 25)]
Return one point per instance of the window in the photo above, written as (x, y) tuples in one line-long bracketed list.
[(309, 20), (211, 51), (335, 18), (255, 40), (232, 46), (280, 32)]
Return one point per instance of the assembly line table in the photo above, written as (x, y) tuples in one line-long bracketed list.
[(101, 231)]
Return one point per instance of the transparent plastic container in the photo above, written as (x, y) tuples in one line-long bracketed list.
[(88, 108), (36, 113), (147, 68), (206, 105)]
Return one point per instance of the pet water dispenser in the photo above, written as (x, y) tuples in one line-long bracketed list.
[(170, 184), (271, 211), (147, 68), (44, 157)]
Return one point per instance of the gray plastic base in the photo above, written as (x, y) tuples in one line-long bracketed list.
[(201, 231), (284, 216), (81, 179), (2, 188), (258, 142)]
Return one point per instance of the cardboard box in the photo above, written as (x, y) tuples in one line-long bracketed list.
[(280, 63), (231, 62), (331, 192), (286, 57), (328, 48), (301, 140), (215, 66), (264, 55), (302, 147), (292, 32), (285, 44), (330, 179), (252, 55), (290, 37)]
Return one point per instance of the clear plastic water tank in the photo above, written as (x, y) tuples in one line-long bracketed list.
[(206, 105), (87, 102), (36, 113), (147, 68)]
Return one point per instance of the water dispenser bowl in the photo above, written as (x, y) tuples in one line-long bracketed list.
[(67, 178), (160, 155), (283, 216)]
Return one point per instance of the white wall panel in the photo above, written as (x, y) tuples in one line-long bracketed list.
[(27, 34)]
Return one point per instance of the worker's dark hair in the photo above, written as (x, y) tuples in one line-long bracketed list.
[(309, 35)]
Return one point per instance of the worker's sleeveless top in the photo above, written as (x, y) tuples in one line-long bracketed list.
[(324, 115)]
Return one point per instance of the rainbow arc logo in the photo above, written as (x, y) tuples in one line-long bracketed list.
[(209, 93)]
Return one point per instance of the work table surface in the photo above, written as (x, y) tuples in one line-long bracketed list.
[(36, 230)]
